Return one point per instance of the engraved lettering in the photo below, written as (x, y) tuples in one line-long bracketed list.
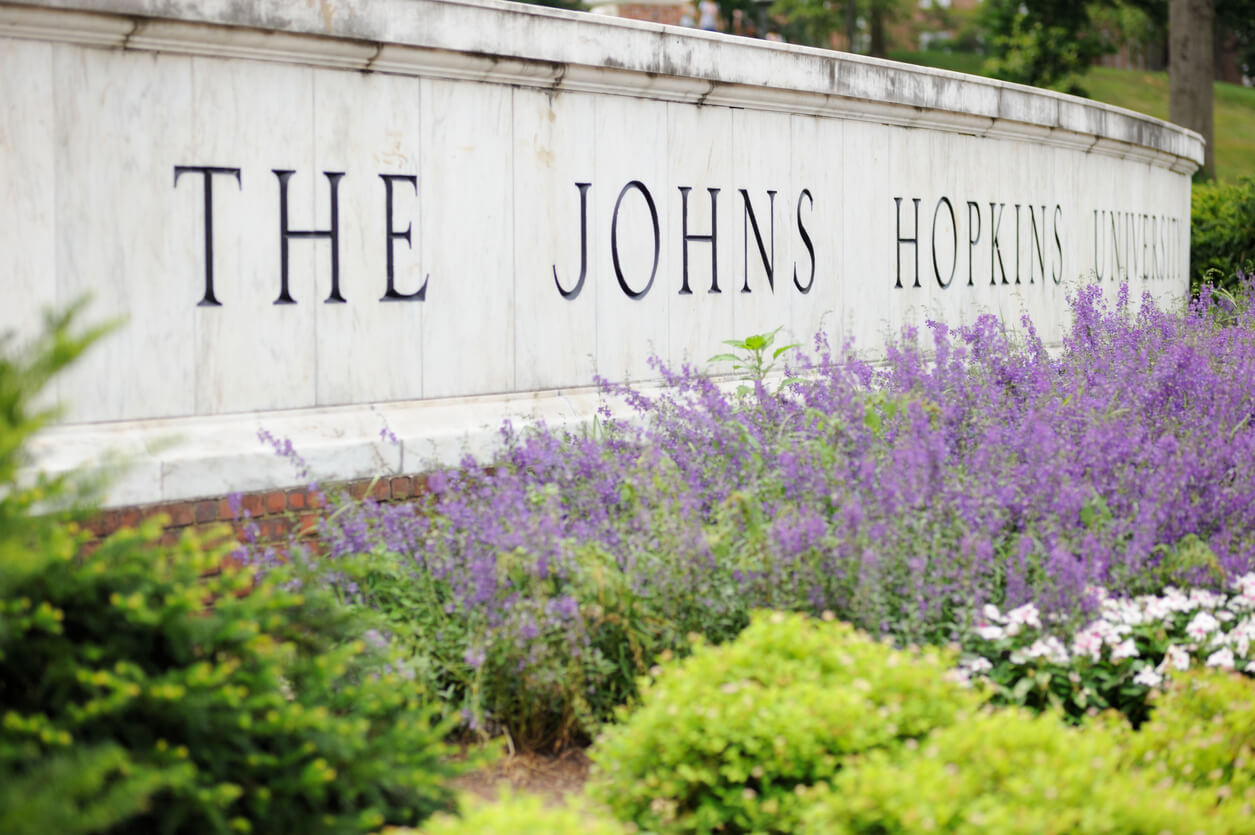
[(994, 249), (747, 220), (954, 232), (392, 235), (712, 239), (571, 294), (286, 234), (614, 239), (973, 237), (1036, 236), (1054, 222), (806, 241), (897, 202), (208, 172)]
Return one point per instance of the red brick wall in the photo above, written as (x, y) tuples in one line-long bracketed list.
[(672, 15), (276, 514)]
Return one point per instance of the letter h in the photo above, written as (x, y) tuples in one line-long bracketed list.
[(897, 202), (286, 234)]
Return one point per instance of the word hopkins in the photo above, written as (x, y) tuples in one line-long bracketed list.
[(990, 228)]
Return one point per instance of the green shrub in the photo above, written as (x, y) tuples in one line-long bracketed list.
[(1201, 732), (247, 709), (1010, 772), (522, 815), (733, 737), (1222, 232), (86, 789), (151, 688), (26, 538)]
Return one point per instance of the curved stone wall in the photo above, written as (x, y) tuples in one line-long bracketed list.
[(328, 218)]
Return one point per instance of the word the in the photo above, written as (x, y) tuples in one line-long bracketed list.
[(287, 234)]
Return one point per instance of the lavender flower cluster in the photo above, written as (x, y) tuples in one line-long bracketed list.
[(976, 465)]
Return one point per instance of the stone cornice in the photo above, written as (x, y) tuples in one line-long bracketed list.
[(538, 47)]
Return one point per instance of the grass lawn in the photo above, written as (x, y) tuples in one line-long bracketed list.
[(1146, 92)]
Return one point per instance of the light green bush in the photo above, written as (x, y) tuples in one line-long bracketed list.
[(518, 815), (735, 736), (1006, 773), (1202, 733)]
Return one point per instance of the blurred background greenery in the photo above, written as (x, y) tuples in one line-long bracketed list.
[(1115, 51)]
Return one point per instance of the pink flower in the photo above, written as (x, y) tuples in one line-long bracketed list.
[(1176, 658), (1202, 625), (1125, 649), (1222, 658), (990, 632)]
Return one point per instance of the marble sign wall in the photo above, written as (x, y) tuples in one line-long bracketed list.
[(326, 218)]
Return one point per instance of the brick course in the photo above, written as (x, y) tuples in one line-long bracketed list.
[(274, 514)]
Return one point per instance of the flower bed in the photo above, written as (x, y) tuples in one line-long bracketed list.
[(974, 467), (978, 490)]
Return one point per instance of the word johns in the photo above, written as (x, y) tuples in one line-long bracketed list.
[(749, 220), (990, 227)]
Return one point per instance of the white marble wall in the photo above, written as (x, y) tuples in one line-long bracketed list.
[(490, 161)]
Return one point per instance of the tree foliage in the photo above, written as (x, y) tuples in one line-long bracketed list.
[(1051, 43), (1045, 43), (814, 22)]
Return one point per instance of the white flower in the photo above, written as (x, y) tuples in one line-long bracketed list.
[(1245, 598), (1125, 649), (1097, 592), (1148, 678), (1088, 642), (1242, 602), (1202, 625), (1175, 657), (1205, 599), (1155, 608), (978, 665), (1025, 615), (991, 613), (1125, 612), (1241, 635), (990, 632), (1106, 632), (1222, 658), (1049, 648), (1178, 602)]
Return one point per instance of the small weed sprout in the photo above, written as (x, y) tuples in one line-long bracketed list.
[(751, 360)]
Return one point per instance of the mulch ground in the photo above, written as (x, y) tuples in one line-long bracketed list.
[(556, 778)]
